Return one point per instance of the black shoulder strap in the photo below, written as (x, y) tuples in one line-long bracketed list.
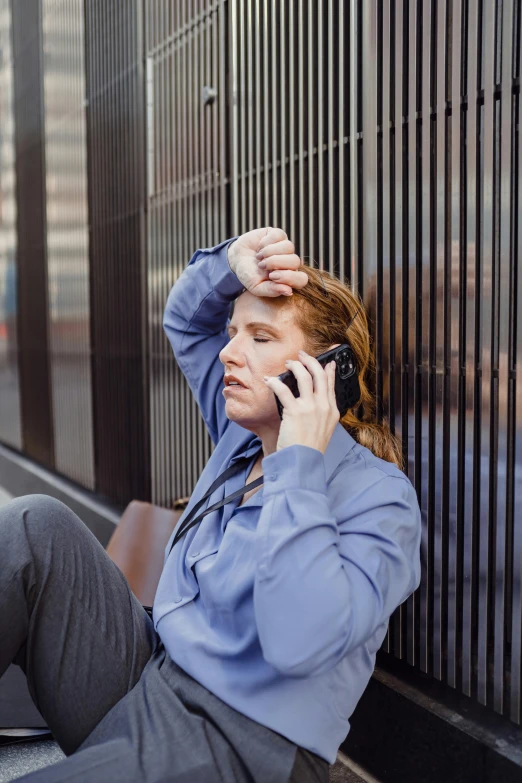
[(232, 470)]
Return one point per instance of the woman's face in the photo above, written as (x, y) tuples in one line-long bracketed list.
[(263, 336)]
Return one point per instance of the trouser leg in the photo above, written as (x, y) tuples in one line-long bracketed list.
[(67, 617)]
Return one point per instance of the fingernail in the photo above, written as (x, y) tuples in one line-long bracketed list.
[(288, 293), (262, 265), (266, 377), (274, 275), (259, 256), (287, 362), (302, 353)]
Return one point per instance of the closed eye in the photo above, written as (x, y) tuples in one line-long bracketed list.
[(260, 340)]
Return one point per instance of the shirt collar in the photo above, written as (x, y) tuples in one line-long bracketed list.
[(341, 443), (247, 448)]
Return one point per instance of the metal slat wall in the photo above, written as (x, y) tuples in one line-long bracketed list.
[(292, 127), (454, 216), (384, 138), (35, 385), (115, 111), (187, 208), (67, 237), (10, 424)]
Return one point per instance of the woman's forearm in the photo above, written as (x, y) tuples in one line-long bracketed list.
[(195, 322), (208, 279)]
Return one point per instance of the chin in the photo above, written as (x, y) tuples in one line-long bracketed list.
[(246, 420)]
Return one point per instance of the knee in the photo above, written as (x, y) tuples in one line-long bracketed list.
[(44, 505), (39, 515)]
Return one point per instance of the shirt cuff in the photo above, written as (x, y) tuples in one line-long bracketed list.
[(294, 467), (224, 282)]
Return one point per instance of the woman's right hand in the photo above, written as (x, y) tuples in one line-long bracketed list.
[(269, 246)]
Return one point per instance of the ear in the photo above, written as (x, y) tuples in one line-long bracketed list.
[(334, 346)]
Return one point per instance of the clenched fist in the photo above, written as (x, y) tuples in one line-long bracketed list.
[(265, 262)]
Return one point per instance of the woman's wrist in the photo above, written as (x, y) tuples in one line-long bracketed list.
[(231, 257)]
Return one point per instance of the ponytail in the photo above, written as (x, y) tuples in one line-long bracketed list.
[(326, 311)]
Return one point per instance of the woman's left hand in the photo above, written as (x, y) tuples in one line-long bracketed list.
[(311, 418)]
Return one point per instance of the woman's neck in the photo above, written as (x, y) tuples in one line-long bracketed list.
[(269, 441), (268, 437)]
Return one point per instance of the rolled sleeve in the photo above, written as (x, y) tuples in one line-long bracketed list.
[(224, 282)]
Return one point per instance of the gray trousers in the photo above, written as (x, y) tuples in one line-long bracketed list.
[(118, 706)]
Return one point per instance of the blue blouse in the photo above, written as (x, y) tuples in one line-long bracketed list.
[(278, 606)]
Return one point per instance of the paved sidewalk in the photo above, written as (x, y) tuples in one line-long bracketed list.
[(20, 759), (24, 757)]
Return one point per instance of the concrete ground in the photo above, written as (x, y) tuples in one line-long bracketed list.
[(24, 757)]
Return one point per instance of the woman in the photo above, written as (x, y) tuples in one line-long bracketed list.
[(270, 610)]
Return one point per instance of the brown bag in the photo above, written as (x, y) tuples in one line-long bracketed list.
[(137, 546)]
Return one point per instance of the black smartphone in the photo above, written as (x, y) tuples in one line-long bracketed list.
[(347, 390)]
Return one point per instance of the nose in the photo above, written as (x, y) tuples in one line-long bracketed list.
[(232, 353)]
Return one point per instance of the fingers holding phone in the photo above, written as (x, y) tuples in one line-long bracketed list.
[(346, 390), (309, 419)]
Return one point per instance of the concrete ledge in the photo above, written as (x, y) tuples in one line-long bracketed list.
[(17, 710), (409, 726), (21, 476)]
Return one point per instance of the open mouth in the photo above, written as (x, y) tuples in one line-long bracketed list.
[(233, 383)]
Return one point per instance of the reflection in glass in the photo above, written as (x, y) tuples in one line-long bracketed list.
[(67, 237), (10, 426)]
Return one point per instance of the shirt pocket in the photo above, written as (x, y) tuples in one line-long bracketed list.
[(194, 558)]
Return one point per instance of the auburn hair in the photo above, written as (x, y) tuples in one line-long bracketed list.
[(327, 311)]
